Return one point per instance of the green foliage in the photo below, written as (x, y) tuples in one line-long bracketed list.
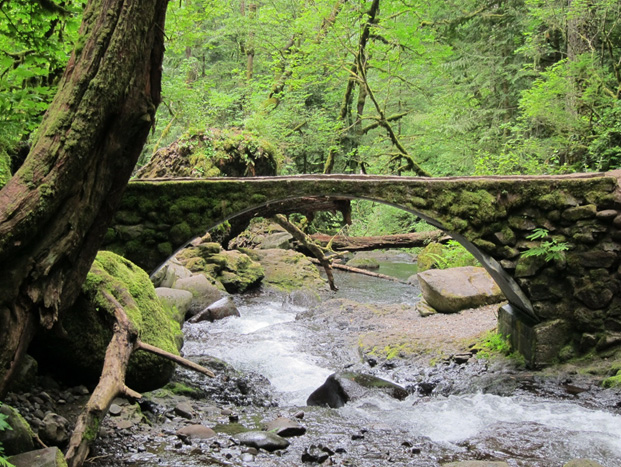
[(440, 256), (4, 426), (369, 218), (550, 249), (36, 39), (493, 344)]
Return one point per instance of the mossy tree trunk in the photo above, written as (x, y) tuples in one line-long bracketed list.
[(54, 212)]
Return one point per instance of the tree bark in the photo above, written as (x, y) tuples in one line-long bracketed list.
[(54, 212), (410, 240)]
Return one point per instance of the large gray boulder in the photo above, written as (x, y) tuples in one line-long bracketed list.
[(221, 309), (346, 386), (20, 437), (203, 292), (456, 289), (48, 457), (170, 273), (177, 300)]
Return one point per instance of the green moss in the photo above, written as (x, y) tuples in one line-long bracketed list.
[(181, 389), (180, 233), (613, 381)]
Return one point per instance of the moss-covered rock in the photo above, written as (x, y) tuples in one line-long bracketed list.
[(20, 437), (363, 263), (78, 355), (5, 168), (288, 270), (232, 152)]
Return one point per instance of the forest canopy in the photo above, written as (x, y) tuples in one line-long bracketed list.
[(380, 86)]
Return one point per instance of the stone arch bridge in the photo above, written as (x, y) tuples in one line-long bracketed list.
[(556, 308)]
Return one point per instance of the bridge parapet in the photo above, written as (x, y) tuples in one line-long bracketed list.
[(570, 304)]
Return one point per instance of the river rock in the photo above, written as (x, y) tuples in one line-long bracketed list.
[(185, 410), (285, 427), (343, 387), (288, 270), (203, 293), (456, 289), (223, 308), (195, 432), (363, 263), (54, 430), (19, 439), (170, 273), (424, 309), (262, 440), (177, 300), (48, 457)]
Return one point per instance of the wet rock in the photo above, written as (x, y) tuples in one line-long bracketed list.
[(54, 430), (195, 432), (285, 427), (175, 299), (19, 439), (316, 454), (343, 387), (262, 440), (222, 308), (48, 457), (456, 289), (203, 293), (185, 410)]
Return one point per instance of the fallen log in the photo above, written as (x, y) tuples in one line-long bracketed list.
[(112, 382), (344, 267), (382, 242)]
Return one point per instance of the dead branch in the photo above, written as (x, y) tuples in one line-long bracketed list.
[(305, 240), (409, 240), (344, 267), (112, 382)]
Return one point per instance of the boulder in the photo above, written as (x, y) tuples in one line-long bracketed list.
[(195, 432), (262, 440), (54, 430), (235, 270), (285, 427), (77, 355), (455, 289), (363, 263), (288, 270), (48, 457), (343, 387), (177, 300), (170, 273), (25, 376), (582, 463), (19, 438), (203, 293), (223, 308)]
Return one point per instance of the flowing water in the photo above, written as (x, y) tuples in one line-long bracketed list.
[(521, 428)]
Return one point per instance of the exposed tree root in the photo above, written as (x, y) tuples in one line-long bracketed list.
[(112, 382)]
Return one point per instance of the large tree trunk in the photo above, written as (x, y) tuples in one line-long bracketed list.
[(54, 212), (382, 242)]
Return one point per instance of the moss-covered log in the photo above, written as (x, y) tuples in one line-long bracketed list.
[(55, 210)]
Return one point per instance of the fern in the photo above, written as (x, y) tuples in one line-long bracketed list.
[(4, 425), (550, 249)]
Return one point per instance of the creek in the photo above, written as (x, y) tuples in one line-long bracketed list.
[(280, 350)]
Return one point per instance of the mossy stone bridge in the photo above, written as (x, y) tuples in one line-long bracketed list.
[(556, 309)]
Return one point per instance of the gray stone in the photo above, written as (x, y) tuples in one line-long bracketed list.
[(285, 427), (48, 457), (262, 440), (424, 309), (19, 439), (221, 309), (280, 240), (455, 289), (185, 410), (196, 432), (303, 298), (171, 273), (580, 212), (203, 292), (176, 299), (115, 410), (340, 388), (54, 430)]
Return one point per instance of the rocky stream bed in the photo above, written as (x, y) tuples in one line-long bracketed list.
[(457, 406)]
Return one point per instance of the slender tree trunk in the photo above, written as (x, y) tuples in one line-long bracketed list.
[(54, 212)]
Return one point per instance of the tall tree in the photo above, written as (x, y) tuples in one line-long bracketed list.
[(55, 209)]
